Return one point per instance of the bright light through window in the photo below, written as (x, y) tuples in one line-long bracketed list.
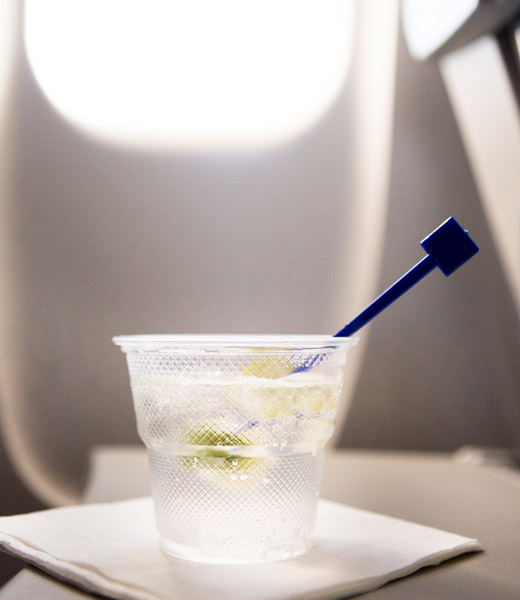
[(190, 74)]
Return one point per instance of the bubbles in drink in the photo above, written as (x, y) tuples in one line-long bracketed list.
[(236, 467)]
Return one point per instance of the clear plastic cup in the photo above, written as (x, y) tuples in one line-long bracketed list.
[(235, 428)]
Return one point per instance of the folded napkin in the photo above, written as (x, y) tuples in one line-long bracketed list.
[(112, 549)]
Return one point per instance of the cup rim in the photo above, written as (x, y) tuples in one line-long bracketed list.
[(217, 341)]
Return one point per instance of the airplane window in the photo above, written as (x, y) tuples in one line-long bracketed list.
[(197, 75)]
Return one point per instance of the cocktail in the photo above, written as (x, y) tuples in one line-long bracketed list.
[(235, 428), (235, 425)]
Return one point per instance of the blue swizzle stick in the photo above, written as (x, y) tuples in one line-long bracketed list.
[(448, 247)]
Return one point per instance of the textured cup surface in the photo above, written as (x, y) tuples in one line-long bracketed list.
[(235, 430)]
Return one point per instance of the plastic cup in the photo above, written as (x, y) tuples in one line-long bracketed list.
[(235, 428)]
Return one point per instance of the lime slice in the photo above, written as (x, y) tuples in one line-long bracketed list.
[(214, 458), (267, 365), (215, 438)]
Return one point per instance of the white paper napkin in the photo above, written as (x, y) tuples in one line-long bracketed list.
[(112, 549)]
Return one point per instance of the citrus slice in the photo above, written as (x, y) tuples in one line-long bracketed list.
[(267, 365), (214, 458)]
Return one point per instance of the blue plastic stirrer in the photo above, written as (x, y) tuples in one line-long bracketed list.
[(448, 247)]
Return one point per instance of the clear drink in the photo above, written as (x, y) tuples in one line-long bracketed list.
[(235, 431)]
